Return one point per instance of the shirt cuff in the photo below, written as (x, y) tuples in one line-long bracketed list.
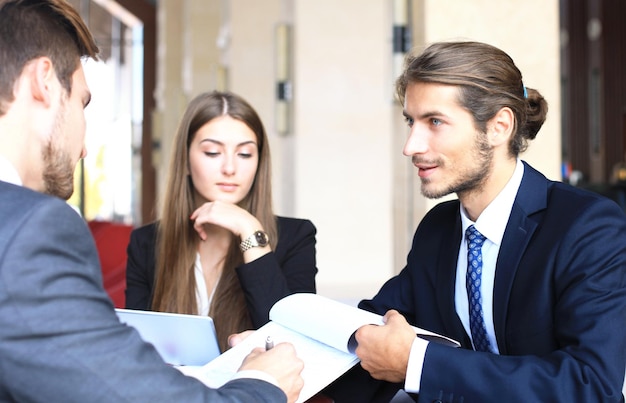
[(415, 365)]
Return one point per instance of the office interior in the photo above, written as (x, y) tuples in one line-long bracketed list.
[(321, 75)]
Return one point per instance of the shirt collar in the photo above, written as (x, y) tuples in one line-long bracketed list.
[(494, 218), (8, 173)]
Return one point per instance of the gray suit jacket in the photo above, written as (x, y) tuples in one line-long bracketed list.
[(60, 340)]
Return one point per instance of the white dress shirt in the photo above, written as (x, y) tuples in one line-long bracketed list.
[(8, 173), (491, 223)]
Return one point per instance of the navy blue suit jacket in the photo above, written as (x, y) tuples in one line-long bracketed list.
[(559, 301), (60, 339)]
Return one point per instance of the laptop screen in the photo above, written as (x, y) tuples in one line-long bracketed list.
[(180, 339)]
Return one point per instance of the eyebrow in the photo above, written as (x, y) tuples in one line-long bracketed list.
[(424, 115), (221, 143)]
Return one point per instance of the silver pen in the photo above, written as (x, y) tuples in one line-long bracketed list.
[(269, 343)]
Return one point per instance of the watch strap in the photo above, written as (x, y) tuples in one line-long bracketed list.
[(253, 241)]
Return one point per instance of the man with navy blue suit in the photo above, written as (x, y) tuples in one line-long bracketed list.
[(549, 296), (60, 339)]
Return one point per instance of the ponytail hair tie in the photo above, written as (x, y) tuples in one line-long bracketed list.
[(525, 92)]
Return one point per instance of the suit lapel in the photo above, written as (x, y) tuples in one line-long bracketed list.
[(446, 277), (531, 198)]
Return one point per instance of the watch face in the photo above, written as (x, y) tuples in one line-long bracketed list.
[(261, 238)]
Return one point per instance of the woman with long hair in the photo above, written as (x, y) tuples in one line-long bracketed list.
[(218, 249)]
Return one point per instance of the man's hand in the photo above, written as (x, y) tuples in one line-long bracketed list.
[(280, 362), (384, 350)]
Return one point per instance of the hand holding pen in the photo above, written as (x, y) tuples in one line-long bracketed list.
[(280, 362)]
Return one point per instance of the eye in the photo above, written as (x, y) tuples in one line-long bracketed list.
[(211, 153), (245, 155), (436, 122), (409, 121)]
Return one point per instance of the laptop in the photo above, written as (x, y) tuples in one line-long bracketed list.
[(180, 339)]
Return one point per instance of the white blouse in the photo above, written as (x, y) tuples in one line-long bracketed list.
[(202, 296)]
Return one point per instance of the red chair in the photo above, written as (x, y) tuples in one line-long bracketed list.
[(112, 240)]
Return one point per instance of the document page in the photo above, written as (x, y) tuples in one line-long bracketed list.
[(323, 319), (322, 332), (333, 322), (322, 364)]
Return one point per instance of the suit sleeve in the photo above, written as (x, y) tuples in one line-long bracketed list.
[(290, 269), (60, 339), (579, 356)]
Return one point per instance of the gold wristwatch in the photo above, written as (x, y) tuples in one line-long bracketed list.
[(259, 238)]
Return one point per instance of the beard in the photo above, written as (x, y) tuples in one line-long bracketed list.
[(58, 174), (469, 178)]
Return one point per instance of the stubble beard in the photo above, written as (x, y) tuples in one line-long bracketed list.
[(471, 178), (58, 174)]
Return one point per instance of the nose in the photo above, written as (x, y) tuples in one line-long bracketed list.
[(417, 143), (228, 167)]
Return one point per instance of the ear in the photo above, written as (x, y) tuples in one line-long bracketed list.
[(500, 127), (43, 80)]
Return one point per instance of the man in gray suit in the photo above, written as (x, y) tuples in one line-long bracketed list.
[(60, 340)]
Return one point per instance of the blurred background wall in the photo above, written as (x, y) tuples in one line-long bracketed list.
[(321, 75)]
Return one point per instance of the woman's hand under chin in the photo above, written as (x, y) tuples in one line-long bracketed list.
[(229, 216)]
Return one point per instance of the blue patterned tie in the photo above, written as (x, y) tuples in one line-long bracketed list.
[(472, 282)]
